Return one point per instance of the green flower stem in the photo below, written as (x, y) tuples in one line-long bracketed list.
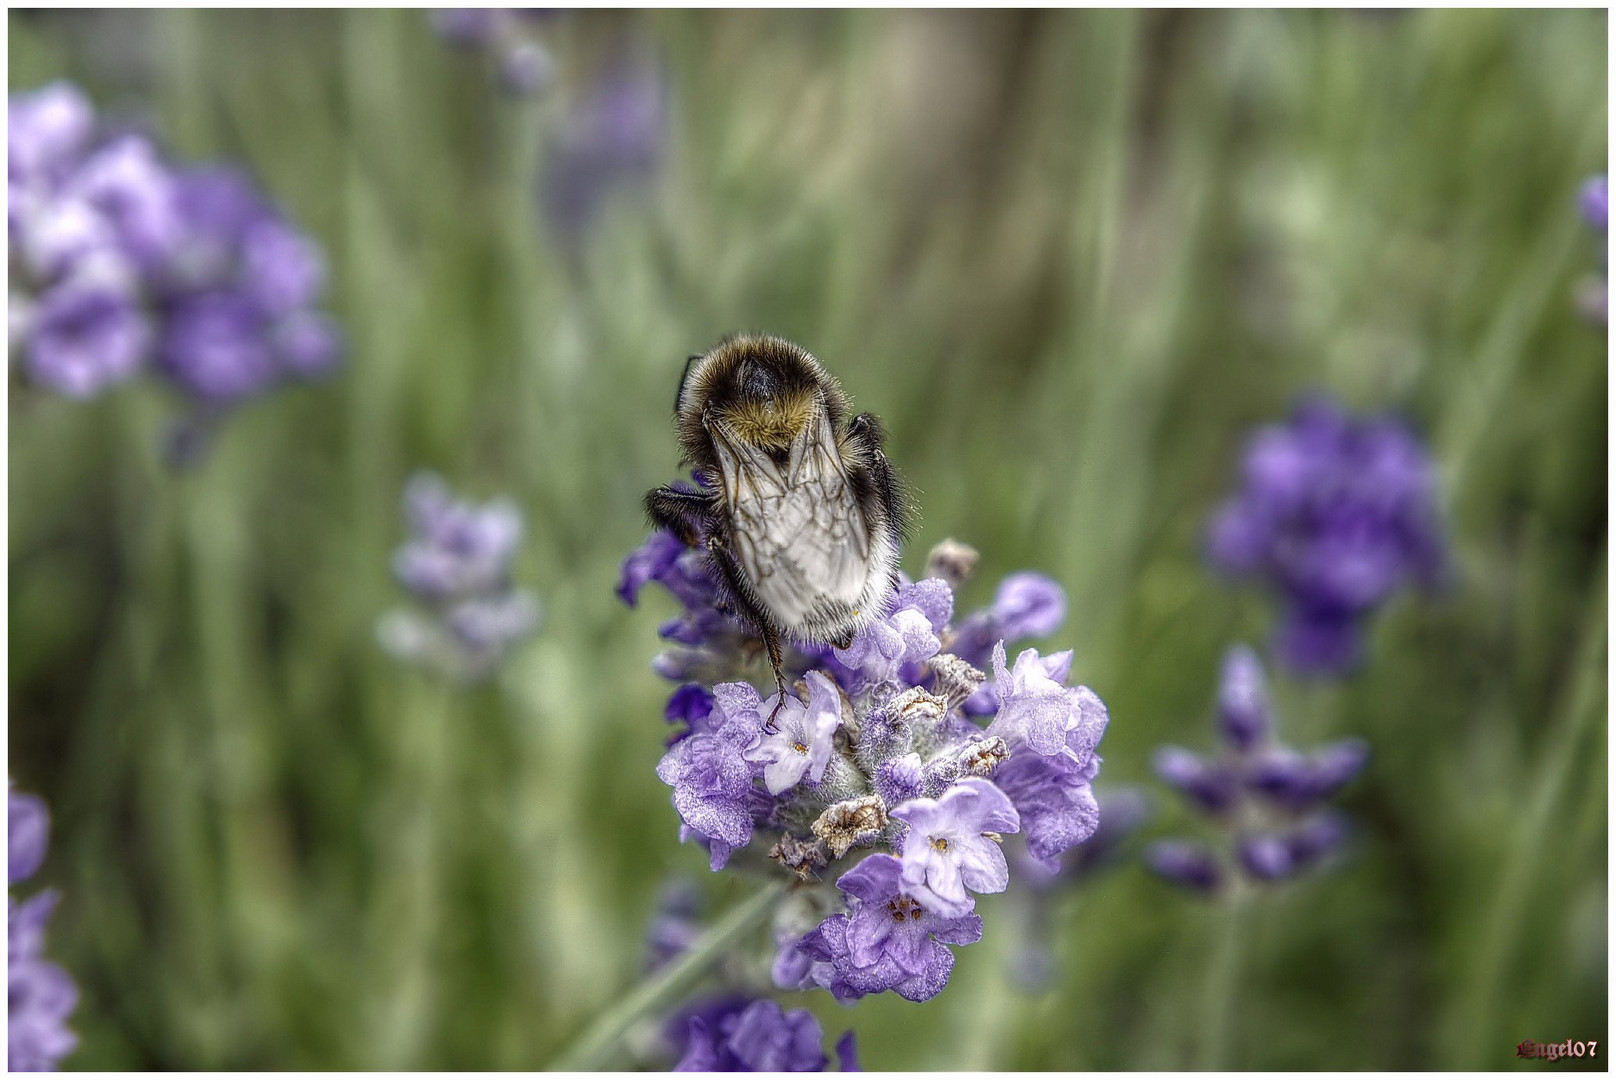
[(407, 915), (1223, 980), (596, 1046)]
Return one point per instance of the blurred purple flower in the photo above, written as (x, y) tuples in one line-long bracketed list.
[(122, 262), (239, 290), (27, 831), (131, 187), (308, 343), (458, 547), (281, 268), (613, 137), (41, 995), (1593, 293), (847, 1059), (1276, 854), (1296, 781), (1243, 709), (45, 129), (217, 347), (457, 566), (526, 70), (1594, 201), (1264, 798), (506, 35), (1208, 783), (470, 27), (1335, 514), (675, 925)]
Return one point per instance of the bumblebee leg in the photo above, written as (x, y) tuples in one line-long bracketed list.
[(752, 615), (865, 430), (686, 514), (879, 493), (771, 641)]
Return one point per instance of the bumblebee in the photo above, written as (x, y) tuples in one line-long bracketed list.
[(799, 508)]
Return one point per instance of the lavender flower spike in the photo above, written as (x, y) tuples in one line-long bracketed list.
[(952, 845), (1336, 514), (1263, 798), (879, 749), (457, 567), (124, 264)]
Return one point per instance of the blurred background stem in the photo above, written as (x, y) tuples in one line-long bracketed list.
[(1218, 1048), (406, 922), (596, 1048), (1534, 839)]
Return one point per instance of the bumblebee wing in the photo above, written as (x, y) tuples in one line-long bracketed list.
[(798, 530)]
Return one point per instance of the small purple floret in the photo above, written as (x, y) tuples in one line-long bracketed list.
[(760, 1038), (948, 851), (1183, 863)]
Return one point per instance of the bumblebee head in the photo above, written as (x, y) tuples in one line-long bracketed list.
[(763, 389)]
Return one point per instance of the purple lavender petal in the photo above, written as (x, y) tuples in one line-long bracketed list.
[(216, 346), (28, 830), (86, 338), (1243, 709), (1206, 783), (765, 1039), (1186, 864), (1594, 201)]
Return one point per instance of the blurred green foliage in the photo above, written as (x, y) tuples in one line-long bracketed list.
[(1070, 258)]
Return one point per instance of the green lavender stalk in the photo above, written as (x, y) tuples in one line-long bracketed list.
[(597, 1046)]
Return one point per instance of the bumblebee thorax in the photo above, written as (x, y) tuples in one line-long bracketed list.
[(765, 390), (770, 423)]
